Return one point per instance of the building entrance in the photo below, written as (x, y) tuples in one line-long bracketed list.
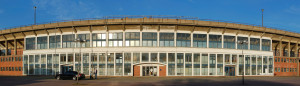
[(230, 71), (65, 68), (149, 70)]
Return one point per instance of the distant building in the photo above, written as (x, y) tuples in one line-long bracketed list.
[(149, 46)]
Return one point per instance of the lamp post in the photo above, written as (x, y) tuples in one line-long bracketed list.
[(80, 41), (262, 17), (34, 15), (242, 43)]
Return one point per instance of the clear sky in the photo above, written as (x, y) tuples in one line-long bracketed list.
[(283, 14)]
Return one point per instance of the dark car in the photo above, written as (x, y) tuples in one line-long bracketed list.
[(70, 75)]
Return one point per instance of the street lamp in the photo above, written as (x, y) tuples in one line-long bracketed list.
[(242, 43), (80, 41)]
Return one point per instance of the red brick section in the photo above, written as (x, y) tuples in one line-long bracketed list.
[(12, 67), (286, 65), (162, 71), (136, 70)]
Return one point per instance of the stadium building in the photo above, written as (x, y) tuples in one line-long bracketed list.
[(149, 46)]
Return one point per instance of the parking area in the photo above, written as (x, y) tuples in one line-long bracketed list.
[(150, 81)]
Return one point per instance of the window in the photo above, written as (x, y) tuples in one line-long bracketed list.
[(200, 40), (30, 43), (63, 58), (229, 42), (119, 64), (265, 44), (115, 39), (136, 57), (149, 39), (132, 38), (54, 41), (179, 63), (145, 57), (254, 43), (215, 41), (162, 57), (42, 42), (183, 40), (196, 64), (244, 45), (188, 64), (85, 37), (204, 62), (68, 41), (154, 57), (171, 63), (110, 64), (166, 39), (102, 62), (219, 64), (127, 63), (85, 61), (99, 39)]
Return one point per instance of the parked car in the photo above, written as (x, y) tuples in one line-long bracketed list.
[(70, 75)]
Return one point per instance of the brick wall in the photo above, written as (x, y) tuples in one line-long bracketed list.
[(11, 65), (287, 66), (162, 71), (136, 70)]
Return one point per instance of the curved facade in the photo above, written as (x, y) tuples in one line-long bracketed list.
[(156, 47)]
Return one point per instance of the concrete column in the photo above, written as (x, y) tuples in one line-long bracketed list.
[(15, 46), (6, 47), (192, 64), (183, 64), (192, 37), (289, 49), (167, 68), (158, 39), (280, 48), (222, 40)]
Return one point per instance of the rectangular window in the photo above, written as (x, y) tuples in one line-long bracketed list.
[(212, 64), (110, 64), (102, 62), (136, 58), (30, 43), (54, 41), (219, 64), (49, 64), (183, 40), (63, 59), (132, 38), (204, 63), (244, 44), (42, 42), (196, 64), (179, 64), (166, 39), (99, 39), (171, 63), (188, 64), (265, 44), (85, 40), (215, 41), (254, 43), (149, 39), (119, 64), (229, 42), (145, 57), (127, 63), (115, 39), (85, 61), (241, 64), (200, 40), (162, 57), (154, 57), (68, 41)]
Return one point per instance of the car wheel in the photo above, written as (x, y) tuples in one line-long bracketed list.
[(58, 78), (74, 78)]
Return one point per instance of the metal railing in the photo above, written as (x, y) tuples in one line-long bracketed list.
[(147, 16)]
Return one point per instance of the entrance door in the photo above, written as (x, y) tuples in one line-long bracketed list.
[(230, 71), (65, 68), (149, 70)]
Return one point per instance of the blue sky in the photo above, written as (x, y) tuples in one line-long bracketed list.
[(283, 14)]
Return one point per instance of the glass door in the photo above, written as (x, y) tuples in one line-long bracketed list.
[(149, 70)]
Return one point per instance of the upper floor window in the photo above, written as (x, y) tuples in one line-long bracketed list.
[(166, 39), (243, 45), (215, 41), (266, 44), (68, 41), (42, 42), (254, 43), (229, 42), (54, 41), (30, 43), (149, 39), (99, 39), (200, 40), (115, 39), (132, 38), (183, 40), (85, 37)]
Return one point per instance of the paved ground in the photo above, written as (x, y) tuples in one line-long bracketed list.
[(150, 81)]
